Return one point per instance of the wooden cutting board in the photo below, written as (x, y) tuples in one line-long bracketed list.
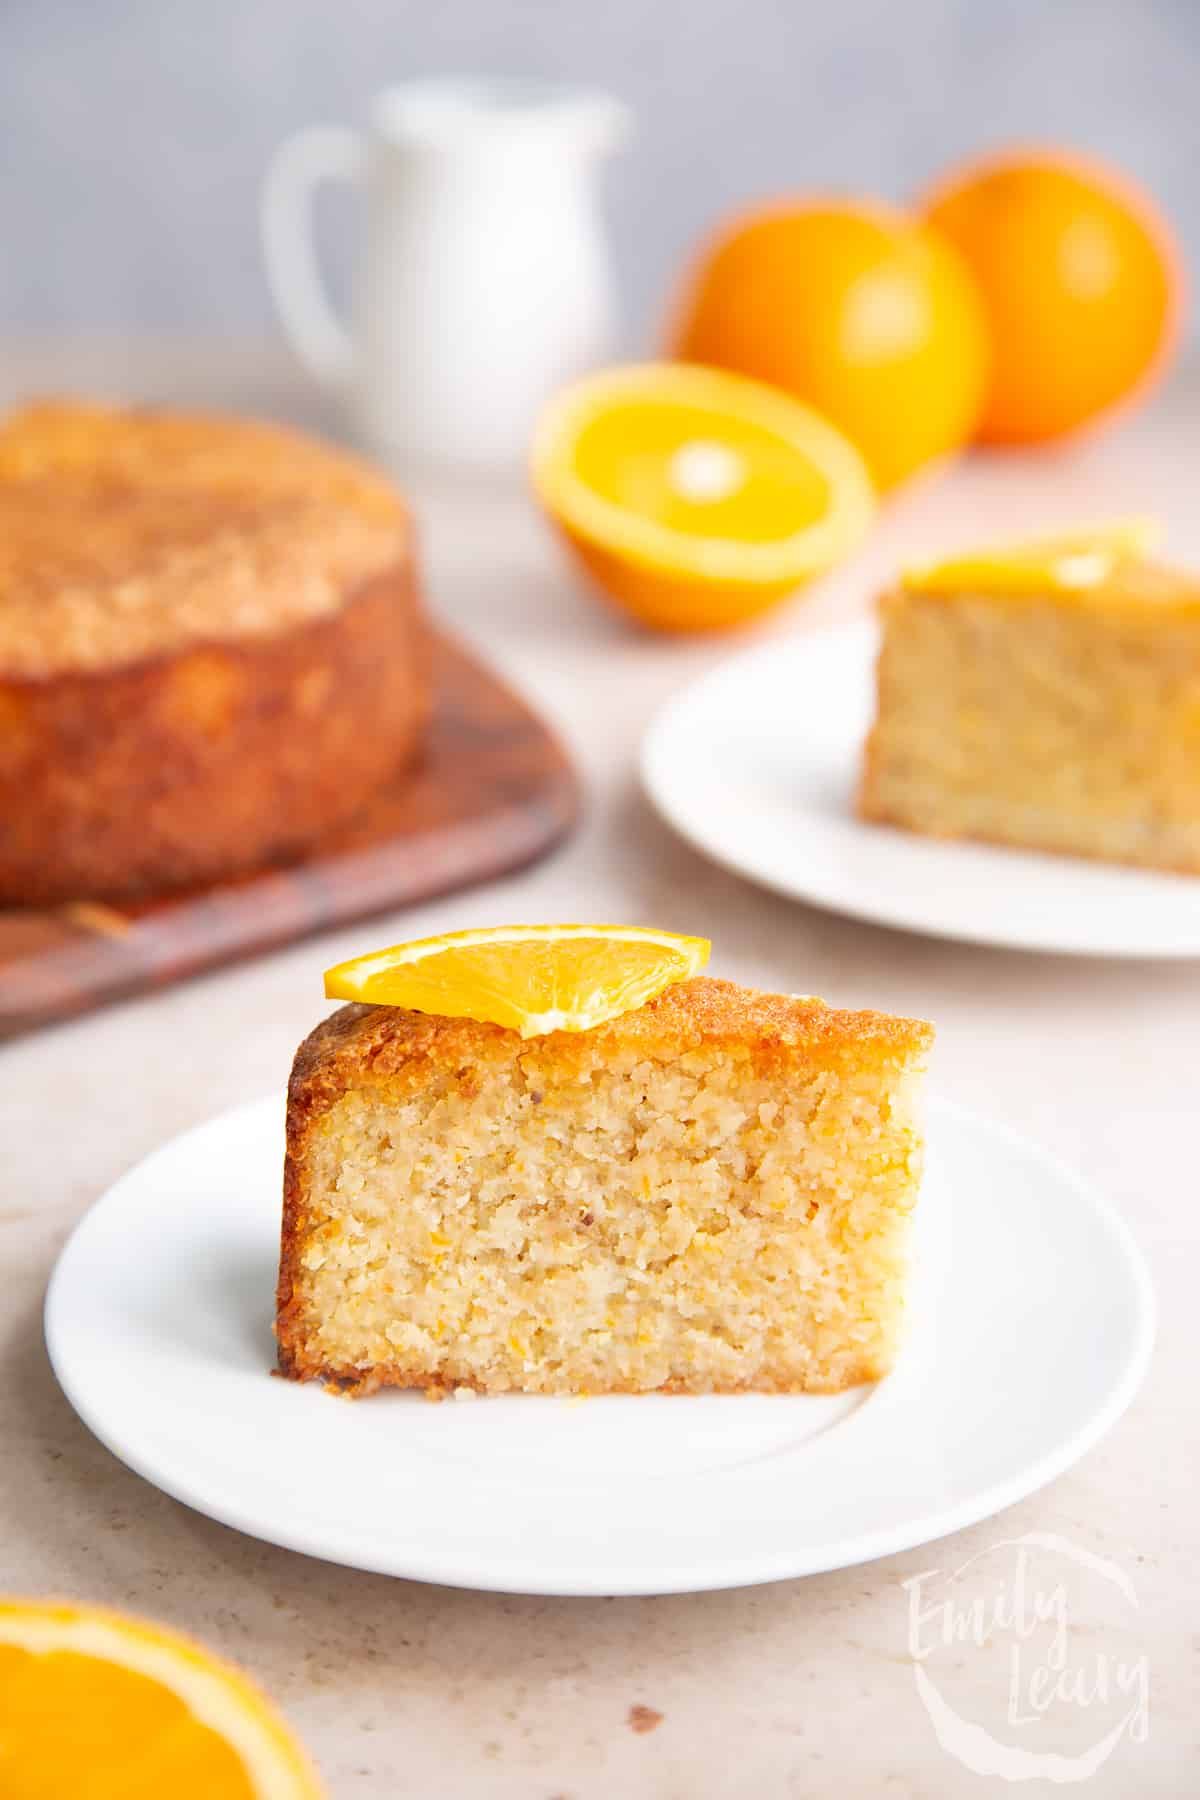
[(494, 790)]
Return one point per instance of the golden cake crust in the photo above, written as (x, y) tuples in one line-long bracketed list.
[(126, 535), (211, 648), (388, 1044), (401, 1052)]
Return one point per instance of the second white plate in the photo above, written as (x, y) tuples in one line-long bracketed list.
[(1032, 1323), (756, 765)]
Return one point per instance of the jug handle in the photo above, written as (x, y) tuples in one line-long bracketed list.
[(316, 334)]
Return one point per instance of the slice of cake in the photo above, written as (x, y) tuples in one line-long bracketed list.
[(1046, 696), (710, 1193)]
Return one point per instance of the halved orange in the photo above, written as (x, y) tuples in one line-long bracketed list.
[(694, 498), (1067, 562), (531, 978), (94, 1703)]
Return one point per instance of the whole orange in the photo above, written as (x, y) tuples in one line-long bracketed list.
[(862, 312), (1082, 283)]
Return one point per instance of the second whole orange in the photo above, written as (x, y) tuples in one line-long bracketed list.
[(1081, 279), (854, 308)]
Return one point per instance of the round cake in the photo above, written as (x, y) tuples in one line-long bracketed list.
[(211, 649)]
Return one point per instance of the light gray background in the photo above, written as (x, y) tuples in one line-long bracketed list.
[(134, 132)]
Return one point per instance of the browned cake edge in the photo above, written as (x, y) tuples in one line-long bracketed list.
[(205, 764), (365, 1046)]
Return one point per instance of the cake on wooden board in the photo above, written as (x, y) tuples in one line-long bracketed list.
[(211, 648), (1046, 697), (709, 1193)]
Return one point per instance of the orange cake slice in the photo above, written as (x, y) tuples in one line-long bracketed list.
[(1046, 695), (708, 1193)]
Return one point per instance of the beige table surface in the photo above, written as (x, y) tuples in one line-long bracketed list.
[(805, 1687)]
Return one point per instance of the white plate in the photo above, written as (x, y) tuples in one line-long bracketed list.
[(1032, 1323), (757, 763)]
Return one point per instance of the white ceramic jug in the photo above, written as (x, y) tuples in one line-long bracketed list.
[(483, 279)]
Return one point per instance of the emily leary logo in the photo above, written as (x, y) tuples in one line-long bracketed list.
[(1014, 1684)]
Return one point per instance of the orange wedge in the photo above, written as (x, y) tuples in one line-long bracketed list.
[(693, 498), (94, 1703), (531, 978), (1069, 562)]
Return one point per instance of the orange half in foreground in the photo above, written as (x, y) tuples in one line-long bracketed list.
[(93, 1703), (531, 978), (693, 498)]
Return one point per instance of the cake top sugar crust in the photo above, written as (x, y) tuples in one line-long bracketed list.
[(126, 535), (388, 1046)]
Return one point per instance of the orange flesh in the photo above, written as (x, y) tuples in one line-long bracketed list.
[(1077, 562), (79, 1725), (778, 494), (542, 981)]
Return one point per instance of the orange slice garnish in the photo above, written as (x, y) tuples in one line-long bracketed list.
[(1069, 562), (531, 978)]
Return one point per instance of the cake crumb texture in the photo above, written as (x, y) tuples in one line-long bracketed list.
[(710, 1194), (1065, 723)]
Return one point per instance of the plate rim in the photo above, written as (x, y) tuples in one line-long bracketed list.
[(515, 1576), (659, 791)]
